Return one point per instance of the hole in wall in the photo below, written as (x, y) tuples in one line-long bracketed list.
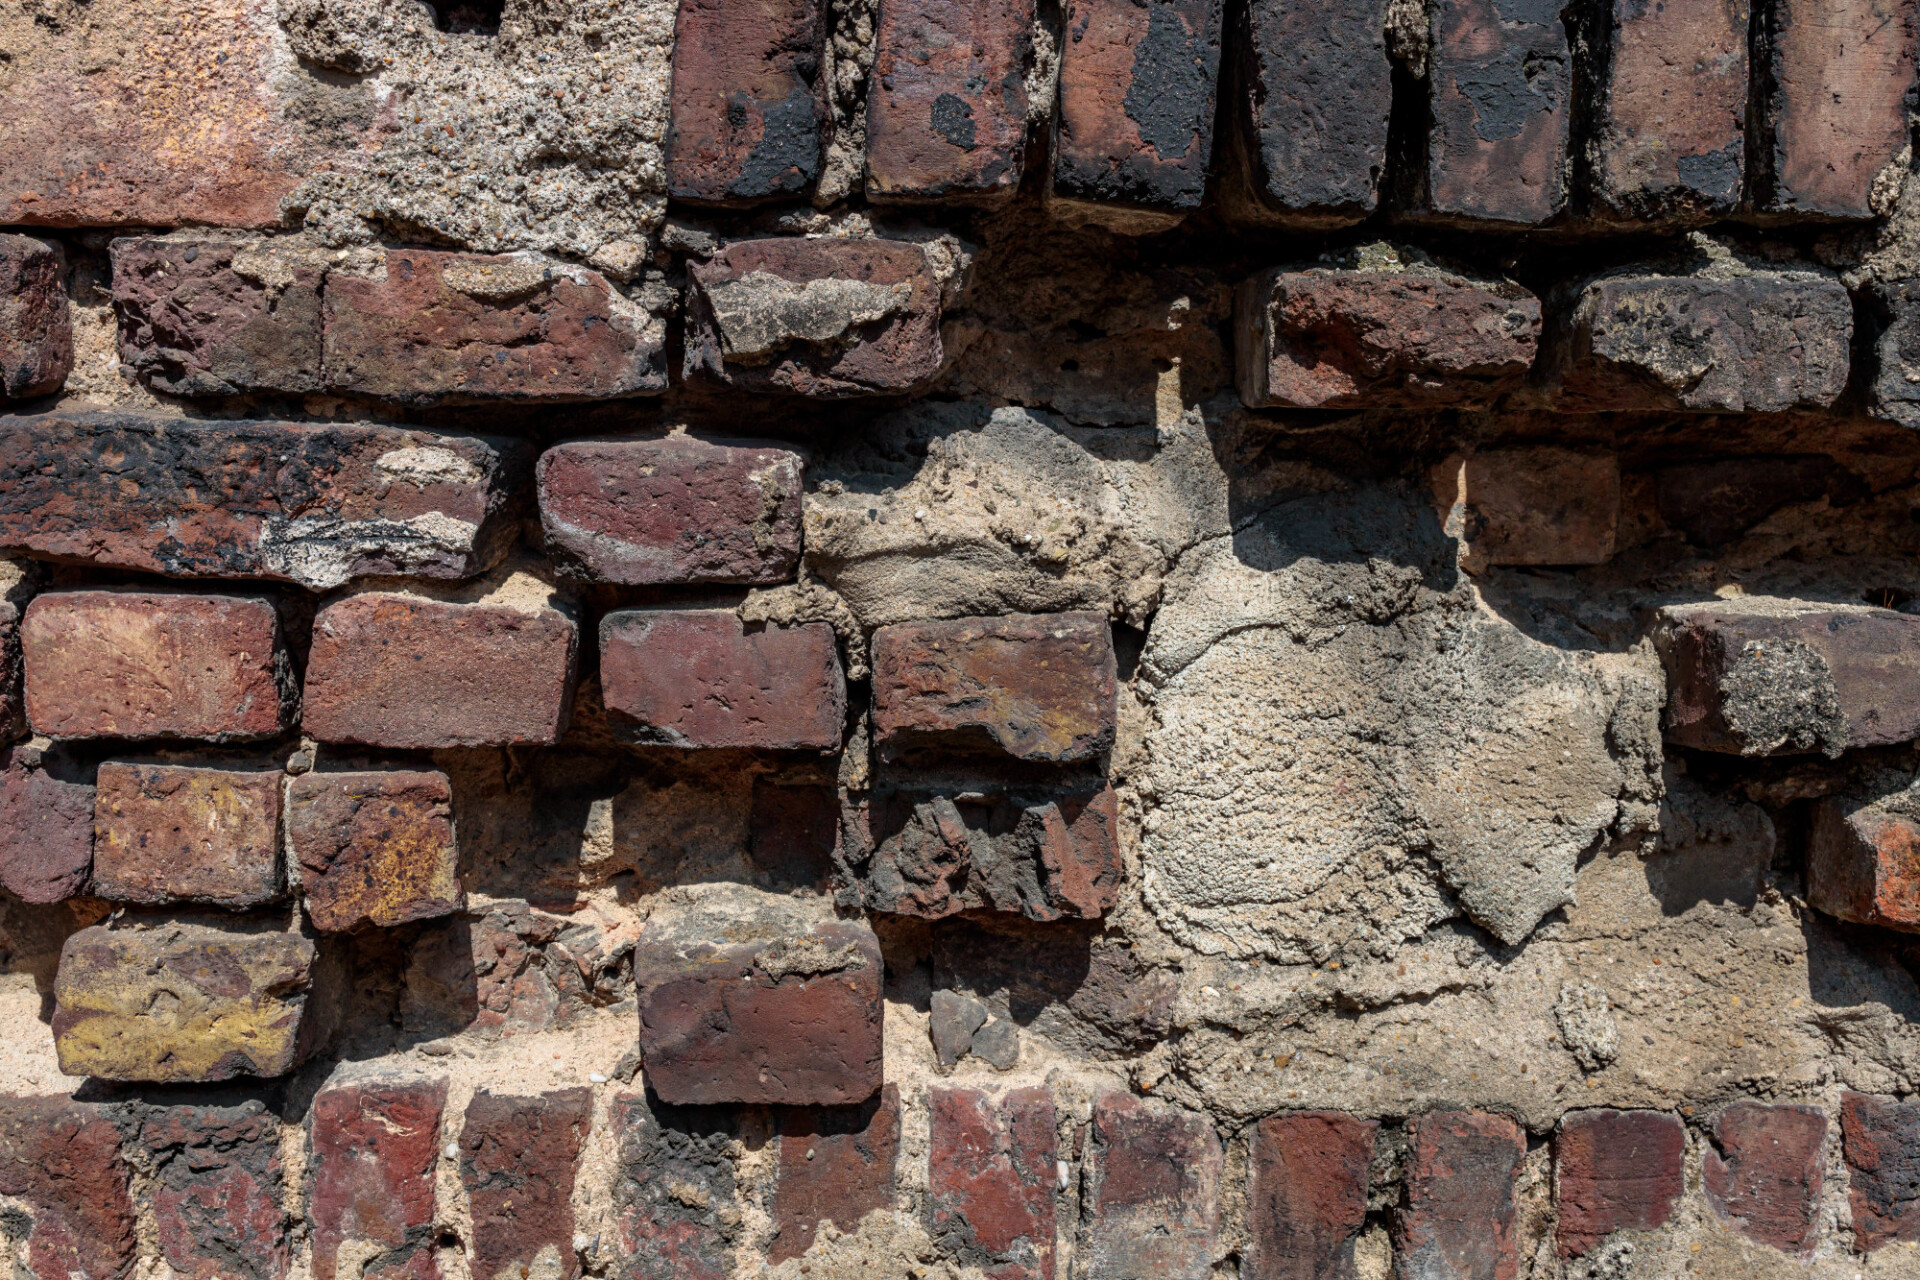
[(468, 17), (1889, 598)]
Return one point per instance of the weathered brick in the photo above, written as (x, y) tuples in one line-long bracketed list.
[(699, 678), (947, 101), (13, 712), (374, 1147), (1763, 1173), (216, 1191), (680, 509), (676, 1211), (374, 848), (456, 327), (794, 836), (518, 1158), (1863, 863), (837, 1164), (1134, 130), (217, 316), (185, 1000), (1713, 502), (46, 827), (169, 833), (36, 328), (1841, 76), (311, 503), (1616, 1171), (1152, 1192), (990, 1173), (62, 1160), (1765, 675), (149, 664), (1307, 1177), (1893, 372), (749, 100), (488, 970), (829, 318), (1459, 1220), (1881, 1141), (1034, 686), (1538, 504), (1336, 338), (393, 670)]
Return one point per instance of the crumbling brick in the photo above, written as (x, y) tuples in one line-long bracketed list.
[(374, 849), (1863, 863), (36, 329), (749, 100), (676, 1210), (990, 1171), (375, 1145), (1881, 1140), (217, 1188), (1616, 1171), (518, 1159), (62, 1160), (1152, 1194), (171, 833), (1307, 1181), (1764, 1171)]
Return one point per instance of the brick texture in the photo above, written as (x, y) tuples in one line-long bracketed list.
[(518, 1159), (36, 330), (374, 848), (217, 1191), (172, 833), (1764, 1172), (46, 827), (676, 1210), (1863, 864), (1459, 1219), (1615, 1171), (374, 1148), (837, 1164), (991, 1179), (1535, 505), (1151, 1202), (63, 1161), (1881, 1141), (749, 100), (1307, 1177)]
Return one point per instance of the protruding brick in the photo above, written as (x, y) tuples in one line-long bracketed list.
[(699, 678), (1616, 1171), (1033, 686), (1460, 1219), (1842, 80), (837, 1165), (1135, 124), (1307, 1177), (169, 833), (1765, 676), (149, 664), (1764, 1171), (676, 1211), (1881, 1140), (991, 1180), (36, 328), (62, 1161), (184, 1000), (46, 827), (375, 848), (681, 509), (518, 1158), (218, 316), (393, 670), (749, 100), (1152, 1192), (437, 327), (829, 318), (311, 503), (374, 1150), (1540, 504), (217, 1189), (1334, 338), (947, 101)]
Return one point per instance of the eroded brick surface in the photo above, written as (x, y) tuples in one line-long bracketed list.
[(837, 1164), (212, 317), (1307, 1176), (749, 100), (374, 848), (1881, 1140), (676, 1212), (1615, 1171), (374, 1147), (991, 1174), (1151, 1204), (1459, 1220), (62, 1160), (173, 833), (36, 330), (217, 1191), (46, 827), (518, 1159), (1764, 1171)]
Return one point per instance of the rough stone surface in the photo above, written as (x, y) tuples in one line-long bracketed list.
[(952, 1020), (373, 848), (1152, 1192), (991, 1180), (217, 1191), (1307, 1179), (62, 1162), (1616, 1171), (1459, 1218), (749, 100), (1527, 506), (1764, 1172), (675, 1196), (46, 827), (374, 1149), (172, 833), (209, 316), (1863, 860), (1893, 386), (518, 1160), (837, 1164), (36, 330), (1881, 1139)]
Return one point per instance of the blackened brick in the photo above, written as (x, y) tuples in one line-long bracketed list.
[(749, 100), (1307, 1177), (837, 1164), (374, 1150), (991, 1176), (374, 848), (170, 833), (195, 322), (36, 328), (1615, 1171), (1764, 1171), (518, 1158), (1152, 1196), (46, 827), (676, 1212), (217, 1191), (1881, 1140), (1460, 1220), (63, 1161)]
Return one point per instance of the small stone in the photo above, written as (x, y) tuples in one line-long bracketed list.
[(1535, 505), (990, 1175), (1764, 1171), (955, 1017), (374, 849), (169, 833), (749, 101), (36, 328), (837, 1164), (519, 1156), (1460, 1219), (1152, 1192), (1616, 1171), (998, 1044), (372, 1171)]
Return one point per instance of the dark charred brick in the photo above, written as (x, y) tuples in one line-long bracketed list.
[(195, 323), (1881, 1140), (169, 833), (13, 713), (63, 1161), (216, 1191), (1863, 864), (375, 848), (1763, 1173), (1893, 370), (518, 1158), (488, 971), (749, 100), (676, 1208), (1459, 1219), (837, 1164), (1535, 504), (675, 510), (1307, 1178), (699, 678), (392, 670), (991, 1177), (46, 827), (1152, 1192), (828, 318), (140, 664), (311, 503), (374, 1150), (795, 834), (947, 101), (1712, 503), (1616, 1171), (36, 328)]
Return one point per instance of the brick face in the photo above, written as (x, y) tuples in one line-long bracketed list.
[(1536, 505), (749, 100), (1307, 1177), (1151, 1204), (63, 1161), (1881, 1141), (1615, 1171), (36, 330), (676, 1209), (217, 1191), (1863, 864), (374, 1147), (1764, 1172), (194, 324), (170, 833), (837, 1164), (46, 828), (991, 1175), (1460, 1220), (518, 1160), (374, 849)]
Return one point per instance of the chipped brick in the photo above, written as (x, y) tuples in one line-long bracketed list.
[(676, 1207), (1764, 1172), (518, 1159), (169, 833), (375, 1146), (1863, 863), (36, 327), (1616, 1171), (63, 1161), (991, 1180), (1307, 1181), (374, 848), (217, 1187), (837, 1165)]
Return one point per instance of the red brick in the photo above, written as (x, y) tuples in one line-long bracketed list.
[(1034, 686), (749, 100), (991, 1180), (1764, 1171), (149, 664), (1152, 1195), (699, 678), (1881, 1140), (1863, 864), (1616, 1171), (1135, 123), (947, 100), (675, 510), (1841, 74), (216, 1191), (1356, 339), (169, 833), (518, 1158), (795, 835), (1307, 1179), (676, 1210), (837, 1165), (311, 503), (193, 324), (392, 670), (828, 318), (46, 827), (62, 1161), (375, 848), (1459, 1220), (1534, 505), (374, 1150), (36, 328), (487, 970)]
